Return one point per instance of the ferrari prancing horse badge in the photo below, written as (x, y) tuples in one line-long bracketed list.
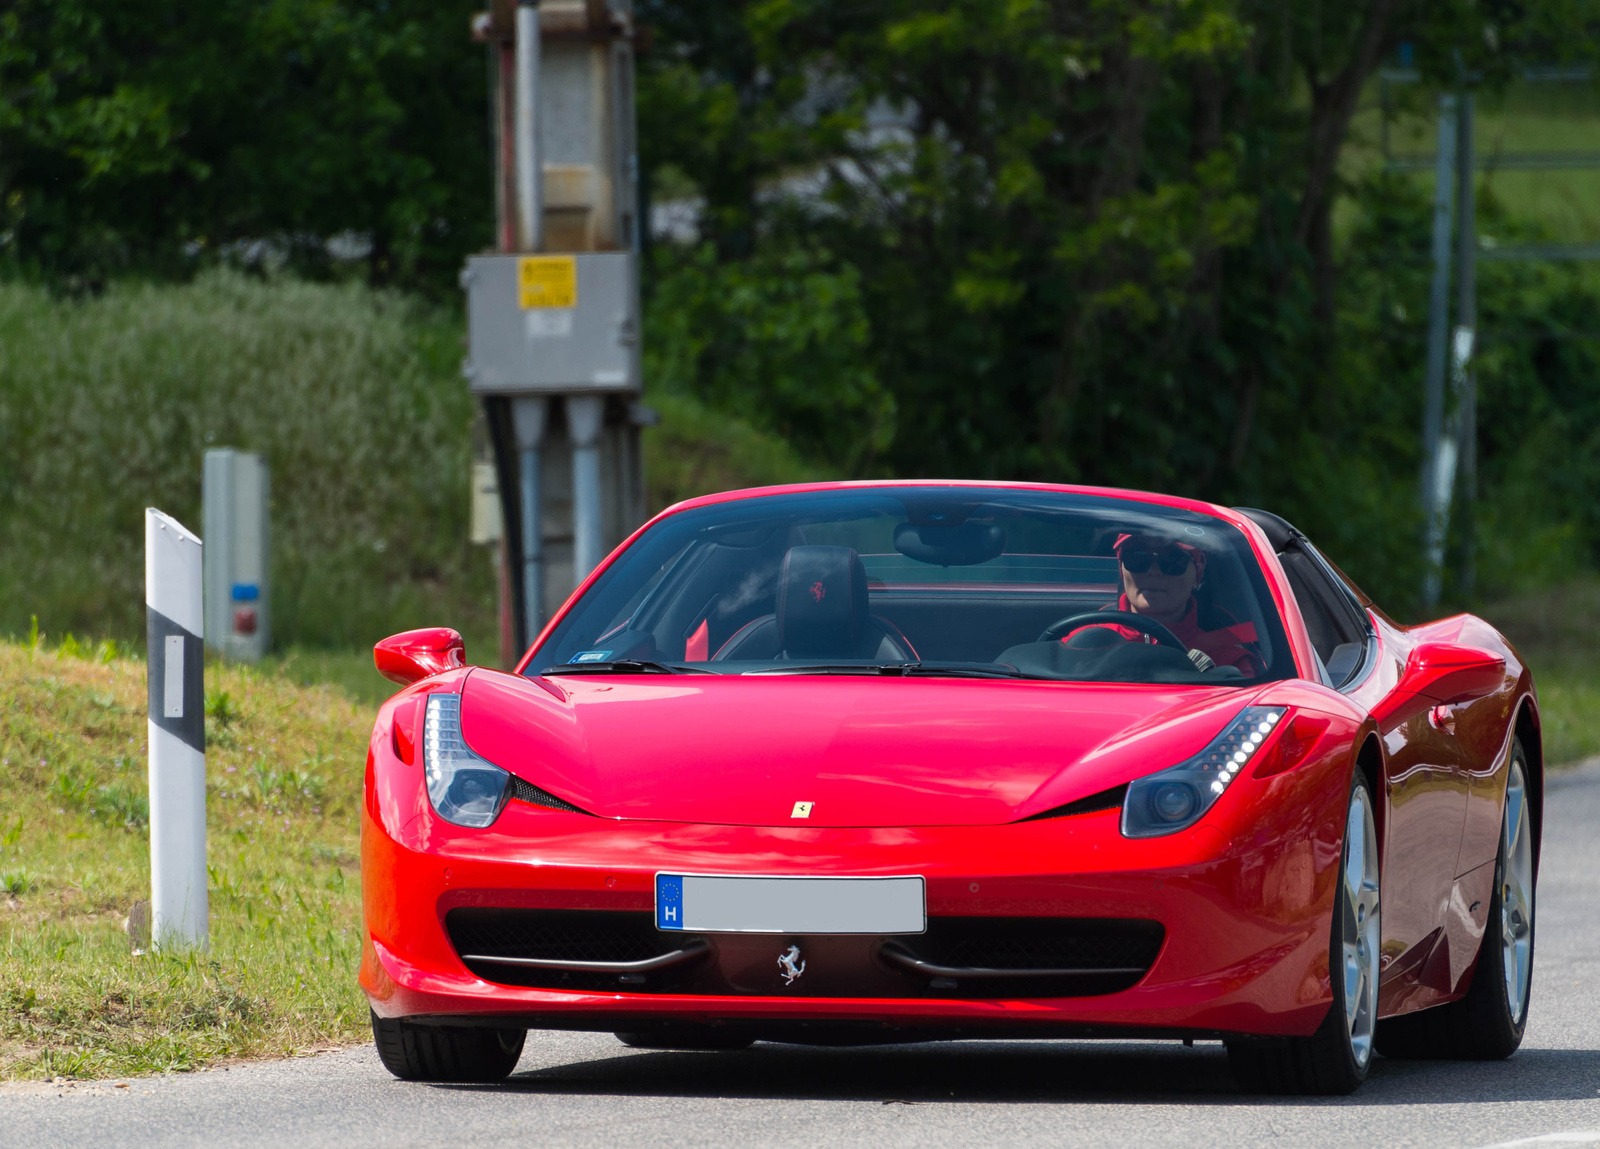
[(787, 965)]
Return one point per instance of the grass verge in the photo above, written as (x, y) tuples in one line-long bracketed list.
[(284, 768), (1557, 631)]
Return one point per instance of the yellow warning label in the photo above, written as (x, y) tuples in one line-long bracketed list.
[(547, 281)]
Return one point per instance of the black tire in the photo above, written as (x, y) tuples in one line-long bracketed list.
[(1328, 1062), (1481, 1026), (446, 1053), (689, 1037)]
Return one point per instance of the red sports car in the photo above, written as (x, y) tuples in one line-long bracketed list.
[(890, 762)]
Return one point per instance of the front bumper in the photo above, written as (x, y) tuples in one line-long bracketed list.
[(1245, 900)]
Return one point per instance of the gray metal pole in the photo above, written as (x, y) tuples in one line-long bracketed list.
[(1466, 338), (584, 414), (528, 417), (1438, 350), (530, 161)]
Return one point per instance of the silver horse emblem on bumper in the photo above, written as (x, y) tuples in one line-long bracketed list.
[(790, 965)]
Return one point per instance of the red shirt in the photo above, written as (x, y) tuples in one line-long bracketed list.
[(1227, 646)]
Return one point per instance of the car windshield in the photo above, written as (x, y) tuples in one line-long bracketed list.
[(934, 580)]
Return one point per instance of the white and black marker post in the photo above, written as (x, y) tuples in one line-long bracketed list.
[(174, 622)]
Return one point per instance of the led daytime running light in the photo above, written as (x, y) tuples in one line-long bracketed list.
[(1179, 796)]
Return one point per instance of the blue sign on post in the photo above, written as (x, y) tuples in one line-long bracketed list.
[(669, 902)]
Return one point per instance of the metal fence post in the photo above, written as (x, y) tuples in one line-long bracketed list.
[(1437, 452), (1465, 378)]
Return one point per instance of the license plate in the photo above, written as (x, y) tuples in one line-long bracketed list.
[(735, 904)]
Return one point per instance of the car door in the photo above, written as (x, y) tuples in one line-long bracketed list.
[(1425, 777)]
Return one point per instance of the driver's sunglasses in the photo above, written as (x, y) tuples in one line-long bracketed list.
[(1172, 561)]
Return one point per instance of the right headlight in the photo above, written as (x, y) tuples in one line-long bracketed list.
[(1178, 797), (464, 788)]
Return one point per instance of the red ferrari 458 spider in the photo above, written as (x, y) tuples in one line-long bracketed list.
[(889, 762)]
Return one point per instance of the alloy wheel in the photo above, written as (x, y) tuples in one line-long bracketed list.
[(1362, 929), (1516, 893)]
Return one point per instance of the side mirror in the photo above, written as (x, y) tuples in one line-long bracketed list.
[(416, 654), (1449, 673)]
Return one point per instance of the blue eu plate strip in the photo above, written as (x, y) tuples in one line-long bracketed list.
[(669, 902)]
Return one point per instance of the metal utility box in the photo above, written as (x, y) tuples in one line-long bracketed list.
[(552, 323), (237, 554)]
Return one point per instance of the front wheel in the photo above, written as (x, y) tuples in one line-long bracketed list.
[(1487, 1024), (446, 1053), (1336, 1058)]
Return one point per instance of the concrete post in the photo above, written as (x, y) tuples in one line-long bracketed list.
[(530, 161), (236, 495), (174, 628), (584, 413), (528, 417)]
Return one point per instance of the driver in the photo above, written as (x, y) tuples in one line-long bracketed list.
[(1159, 580)]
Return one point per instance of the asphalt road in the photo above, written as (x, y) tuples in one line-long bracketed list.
[(589, 1090)]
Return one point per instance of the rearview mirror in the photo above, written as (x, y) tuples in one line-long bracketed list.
[(965, 545), (1449, 673), (416, 654)]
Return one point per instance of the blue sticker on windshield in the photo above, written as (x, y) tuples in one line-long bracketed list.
[(590, 656)]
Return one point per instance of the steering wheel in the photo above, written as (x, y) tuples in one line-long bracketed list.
[(1064, 626)]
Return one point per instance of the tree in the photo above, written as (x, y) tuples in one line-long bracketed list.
[(137, 135), (1094, 241)]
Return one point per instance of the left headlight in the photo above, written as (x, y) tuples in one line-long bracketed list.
[(1178, 797), (464, 788)]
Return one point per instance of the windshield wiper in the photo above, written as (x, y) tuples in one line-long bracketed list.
[(622, 666), (898, 669), (961, 670)]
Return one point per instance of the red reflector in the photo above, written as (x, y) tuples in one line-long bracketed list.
[(1293, 745), (244, 621), (405, 731)]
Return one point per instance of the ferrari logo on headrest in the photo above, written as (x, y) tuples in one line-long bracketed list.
[(818, 591)]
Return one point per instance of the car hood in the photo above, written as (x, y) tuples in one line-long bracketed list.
[(863, 751)]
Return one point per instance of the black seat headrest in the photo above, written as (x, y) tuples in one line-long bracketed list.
[(822, 602)]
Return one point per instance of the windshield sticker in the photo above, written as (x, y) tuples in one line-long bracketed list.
[(590, 656)]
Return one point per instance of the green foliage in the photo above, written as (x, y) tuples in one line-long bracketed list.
[(107, 406), (1538, 372), (221, 708), (15, 883), (141, 134), (125, 805), (696, 450), (1093, 242), (793, 320)]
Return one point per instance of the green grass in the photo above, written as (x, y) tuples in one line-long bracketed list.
[(1557, 630), (350, 671), (285, 765)]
